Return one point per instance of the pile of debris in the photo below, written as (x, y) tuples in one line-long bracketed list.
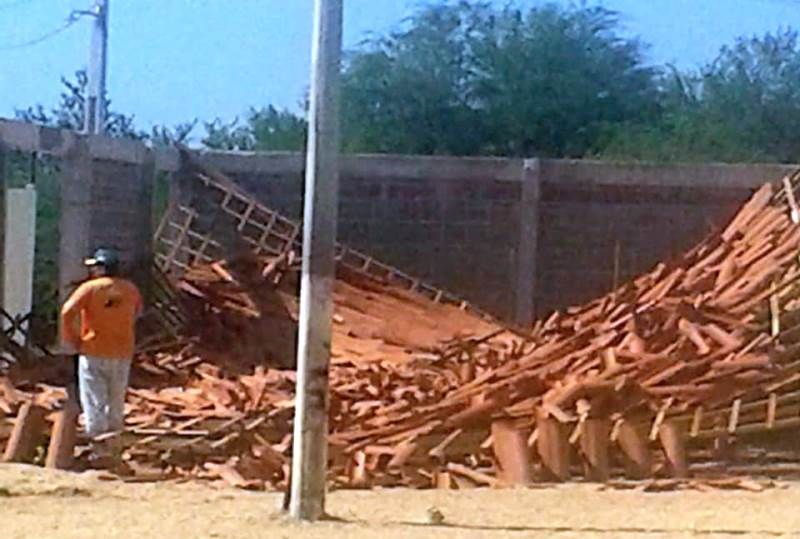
[(696, 347), (247, 308), (207, 411), (430, 393), (701, 336), (217, 404)]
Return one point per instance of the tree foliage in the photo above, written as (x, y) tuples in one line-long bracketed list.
[(267, 129), (69, 114), (412, 91), (470, 79), (551, 79), (466, 77), (742, 106)]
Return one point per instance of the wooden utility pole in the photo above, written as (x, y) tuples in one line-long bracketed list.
[(95, 106), (310, 449)]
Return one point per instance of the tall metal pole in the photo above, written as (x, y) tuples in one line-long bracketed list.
[(95, 106), (310, 450)]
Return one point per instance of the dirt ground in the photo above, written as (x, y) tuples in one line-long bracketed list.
[(44, 504)]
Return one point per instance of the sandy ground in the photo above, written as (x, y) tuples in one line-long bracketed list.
[(44, 504)]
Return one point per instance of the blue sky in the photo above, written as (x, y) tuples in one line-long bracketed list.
[(175, 60)]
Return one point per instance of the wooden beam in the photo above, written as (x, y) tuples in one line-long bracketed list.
[(633, 442), (595, 434), (443, 480), (673, 439), (553, 447), (511, 450), (61, 451), (29, 430)]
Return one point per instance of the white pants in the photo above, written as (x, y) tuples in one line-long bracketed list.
[(102, 384)]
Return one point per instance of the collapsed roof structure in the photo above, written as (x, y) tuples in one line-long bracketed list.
[(427, 390)]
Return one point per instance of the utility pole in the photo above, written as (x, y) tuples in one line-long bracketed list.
[(310, 445), (95, 106)]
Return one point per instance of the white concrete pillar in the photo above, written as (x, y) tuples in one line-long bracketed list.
[(20, 245)]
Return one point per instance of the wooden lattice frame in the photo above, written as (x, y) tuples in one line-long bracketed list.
[(267, 232)]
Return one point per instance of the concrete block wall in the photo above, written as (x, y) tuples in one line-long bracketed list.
[(481, 228), (104, 203), (460, 235), (581, 233), (458, 223), (121, 211)]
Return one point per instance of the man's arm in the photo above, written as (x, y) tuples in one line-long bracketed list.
[(70, 316), (139, 303)]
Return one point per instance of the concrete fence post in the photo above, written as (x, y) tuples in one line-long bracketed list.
[(75, 221), (524, 287), (144, 243)]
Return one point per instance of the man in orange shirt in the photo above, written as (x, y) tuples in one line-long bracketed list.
[(98, 321)]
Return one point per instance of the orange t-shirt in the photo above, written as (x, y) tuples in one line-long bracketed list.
[(99, 318)]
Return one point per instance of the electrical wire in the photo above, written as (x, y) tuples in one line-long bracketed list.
[(44, 37)]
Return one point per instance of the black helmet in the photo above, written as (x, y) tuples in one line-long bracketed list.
[(106, 258)]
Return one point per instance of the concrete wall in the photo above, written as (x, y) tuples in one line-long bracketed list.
[(583, 230), (459, 223), (483, 228), (104, 203), (458, 235), (106, 195)]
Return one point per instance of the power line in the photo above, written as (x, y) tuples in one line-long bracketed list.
[(44, 37)]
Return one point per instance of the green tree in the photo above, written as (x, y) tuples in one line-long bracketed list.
[(69, 114), (468, 78), (552, 79), (753, 88), (411, 91), (170, 136), (742, 106), (266, 129)]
